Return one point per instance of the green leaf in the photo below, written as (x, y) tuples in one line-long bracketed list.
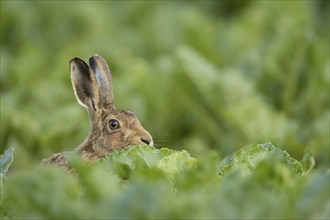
[(6, 160), (176, 162), (247, 158), (124, 161), (47, 191), (308, 160)]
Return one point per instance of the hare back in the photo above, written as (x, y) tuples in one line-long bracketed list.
[(59, 159)]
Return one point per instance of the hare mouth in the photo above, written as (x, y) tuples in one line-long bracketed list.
[(147, 142)]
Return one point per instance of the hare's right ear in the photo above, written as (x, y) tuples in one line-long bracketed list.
[(104, 80), (84, 84)]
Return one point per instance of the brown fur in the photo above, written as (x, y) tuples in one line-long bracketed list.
[(93, 89)]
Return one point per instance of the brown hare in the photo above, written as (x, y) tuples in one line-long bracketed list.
[(111, 129)]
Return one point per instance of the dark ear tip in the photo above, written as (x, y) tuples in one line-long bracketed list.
[(96, 59), (77, 62)]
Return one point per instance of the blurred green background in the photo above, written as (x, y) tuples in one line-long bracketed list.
[(201, 76)]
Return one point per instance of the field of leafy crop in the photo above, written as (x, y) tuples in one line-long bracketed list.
[(204, 77), (257, 182)]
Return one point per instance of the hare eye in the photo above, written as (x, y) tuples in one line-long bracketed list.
[(113, 124)]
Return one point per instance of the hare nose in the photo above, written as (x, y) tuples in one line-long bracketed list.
[(147, 142)]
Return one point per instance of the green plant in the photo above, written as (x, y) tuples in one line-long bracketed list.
[(258, 181)]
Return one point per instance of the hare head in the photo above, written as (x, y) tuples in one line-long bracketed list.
[(111, 129)]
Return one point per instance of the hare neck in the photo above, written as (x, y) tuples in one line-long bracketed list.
[(89, 151)]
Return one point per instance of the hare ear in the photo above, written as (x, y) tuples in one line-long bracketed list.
[(84, 84), (104, 80)]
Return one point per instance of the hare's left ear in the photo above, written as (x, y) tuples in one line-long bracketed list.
[(104, 80)]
